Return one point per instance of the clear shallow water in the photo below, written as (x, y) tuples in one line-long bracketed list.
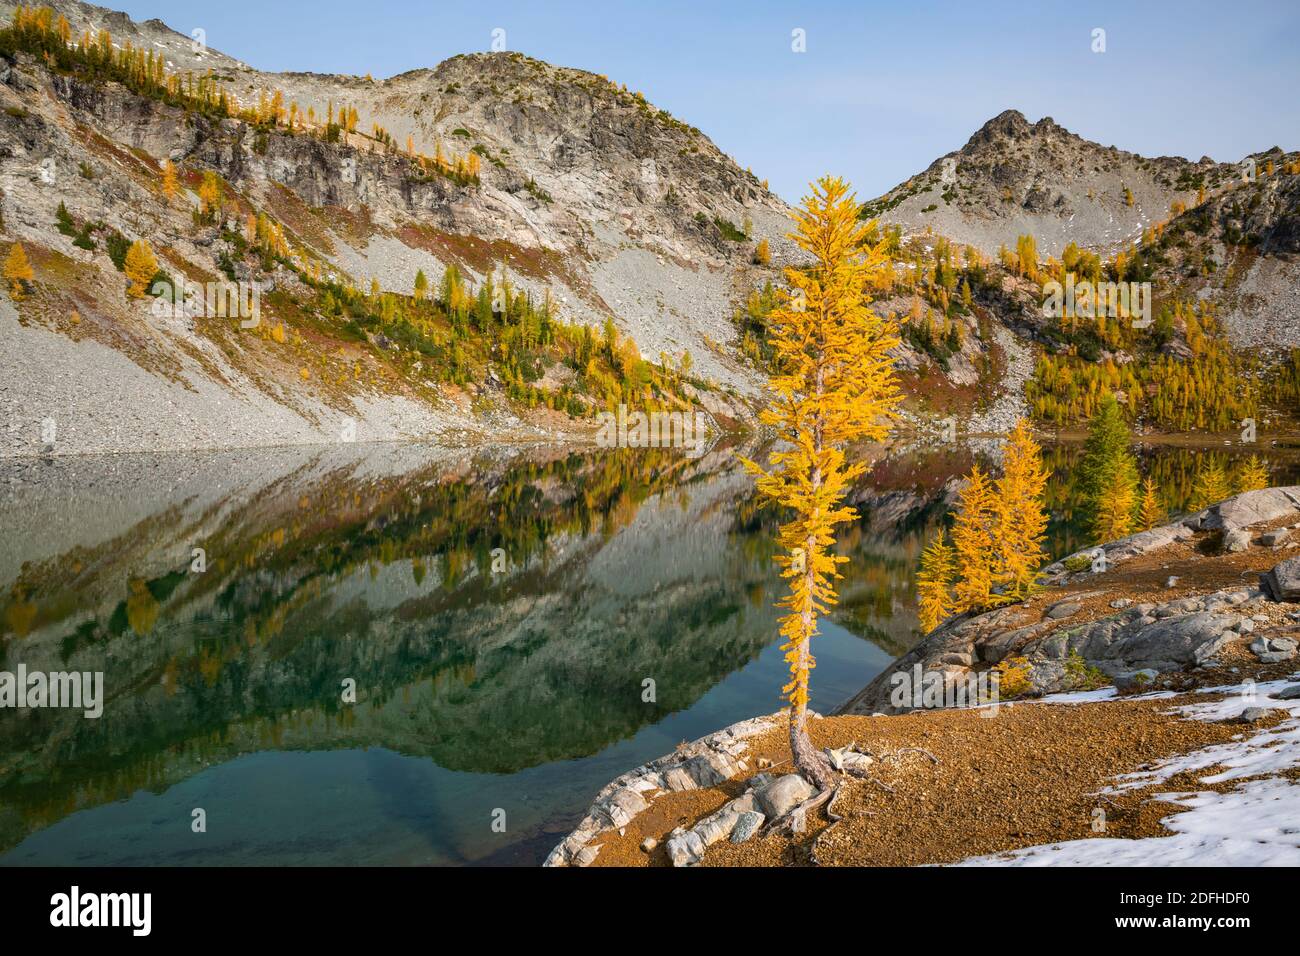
[(517, 690)]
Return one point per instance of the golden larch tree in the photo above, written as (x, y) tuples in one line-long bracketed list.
[(1021, 521), (834, 384), (1109, 475), (140, 267), (170, 185), (1211, 485), (18, 271), (210, 194), (1150, 512), (934, 583), (1114, 515), (1252, 475), (974, 541)]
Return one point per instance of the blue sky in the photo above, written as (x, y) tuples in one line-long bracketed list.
[(882, 90)]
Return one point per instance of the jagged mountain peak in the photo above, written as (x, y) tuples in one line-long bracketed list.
[(1015, 177)]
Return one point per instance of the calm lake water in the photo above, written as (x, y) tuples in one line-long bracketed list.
[(500, 615)]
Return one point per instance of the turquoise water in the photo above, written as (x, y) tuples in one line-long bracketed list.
[(500, 615), (481, 695)]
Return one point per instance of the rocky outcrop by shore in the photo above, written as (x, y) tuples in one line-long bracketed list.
[(1230, 621), (702, 763), (1131, 645)]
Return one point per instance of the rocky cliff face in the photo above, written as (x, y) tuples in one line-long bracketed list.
[(586, 193)]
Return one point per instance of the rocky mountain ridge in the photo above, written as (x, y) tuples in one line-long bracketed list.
[(1014, 177), (583, 192)]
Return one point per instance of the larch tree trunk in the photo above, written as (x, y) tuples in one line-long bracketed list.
[(808, 760)]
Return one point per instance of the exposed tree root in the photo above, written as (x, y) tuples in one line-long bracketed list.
[(905, 750)]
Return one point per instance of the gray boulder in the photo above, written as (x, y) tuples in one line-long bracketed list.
[(1282, 583), (685, 848), (621, 806), (1273, 650), (1271, 539), (747, 826), (784, 794), (1252, 508), (1171, 643), (1236, 540), (1252, 714), (1063, 609), (1135, 680)]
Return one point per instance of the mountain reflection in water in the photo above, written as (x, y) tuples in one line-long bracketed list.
[(501, 615)]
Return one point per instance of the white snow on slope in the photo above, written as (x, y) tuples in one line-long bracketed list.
[(1255, 824)]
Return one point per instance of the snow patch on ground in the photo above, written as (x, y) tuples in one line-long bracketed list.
[(1255, 824)]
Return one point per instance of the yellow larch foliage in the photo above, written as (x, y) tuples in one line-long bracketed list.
[(170, 185), (762, 253), (140, 267), (1114, 515), (1020, 520), (18, 271), (210, 194), (1211, 485), (141, 607), (1252, 475), (973, 540), (834, 384), (1151, 512), (934, 583)]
